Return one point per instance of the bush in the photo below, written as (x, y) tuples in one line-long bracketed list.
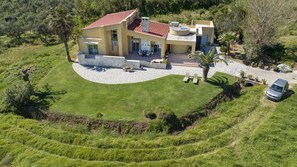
[(7, 160), (261, 65), (254, 64), (168, 116), (223, 49), (166, 120), (242, 73), (16, 97), (150, 115), (158, 126), (99, 115), (276, 69), (250, 76)]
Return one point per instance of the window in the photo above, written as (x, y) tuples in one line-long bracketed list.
[(114, 35), (277, 88), (114, 39), (93, 49)]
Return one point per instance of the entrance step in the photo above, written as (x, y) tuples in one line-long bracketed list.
[(185, 64)]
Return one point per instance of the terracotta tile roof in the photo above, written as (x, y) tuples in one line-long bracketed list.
[(156, 28), (110, 19)]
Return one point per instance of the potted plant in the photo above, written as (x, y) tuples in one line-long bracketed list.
[(164, 61), (264, 81), (242, 74), (250, 77)]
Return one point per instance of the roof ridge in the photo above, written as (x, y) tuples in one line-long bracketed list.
[(155, 21), (120, 12)]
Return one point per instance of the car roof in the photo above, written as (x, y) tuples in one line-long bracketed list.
[(280, 82)]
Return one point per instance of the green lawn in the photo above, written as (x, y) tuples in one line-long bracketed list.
[(127, 101)]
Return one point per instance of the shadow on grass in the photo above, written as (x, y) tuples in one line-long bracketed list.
[(288, 94), (223, 82), (41, 101), (219, 81)]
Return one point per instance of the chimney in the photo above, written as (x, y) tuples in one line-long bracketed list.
[(145, 23)]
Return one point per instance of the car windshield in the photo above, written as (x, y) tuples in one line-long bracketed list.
[(276, 88)]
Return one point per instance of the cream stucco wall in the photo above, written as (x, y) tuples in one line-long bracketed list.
[(179, 48), (149, 38), (209, 31)]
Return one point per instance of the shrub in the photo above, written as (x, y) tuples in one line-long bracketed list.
[(170, 120), (276, 69), (164, 61), (223, 49), (264, 81), (167, 116), (166, 121), (242, 73), (250, 76), (261, 65), (158, 126), (292, 65), (16, 97), (7, 160), (254, 64), (99, 115), (150, 115)]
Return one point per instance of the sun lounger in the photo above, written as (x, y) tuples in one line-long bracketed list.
[(187, 77), (195, 79)]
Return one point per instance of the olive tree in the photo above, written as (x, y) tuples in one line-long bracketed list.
[(264, 21)]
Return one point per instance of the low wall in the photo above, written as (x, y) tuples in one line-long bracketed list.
[(108, 61), (117, 62)]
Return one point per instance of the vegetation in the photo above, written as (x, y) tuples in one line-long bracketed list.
[(227, 39), (61, 23), (248, 131), (207, 60), (264, 22), (260, 133), (16, 97)]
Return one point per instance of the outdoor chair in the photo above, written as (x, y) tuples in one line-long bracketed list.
[(140, 52), (187, 77), (127, 68), (148, 53), (195, 79)]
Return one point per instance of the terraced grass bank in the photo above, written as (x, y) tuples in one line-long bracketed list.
[(249, 131)]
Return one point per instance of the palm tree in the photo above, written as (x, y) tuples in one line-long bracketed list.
[(61, 23), (227, 39), (207, 60)]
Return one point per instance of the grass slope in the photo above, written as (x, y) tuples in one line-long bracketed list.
[(127, 101), (41, 58), (249, 131)]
